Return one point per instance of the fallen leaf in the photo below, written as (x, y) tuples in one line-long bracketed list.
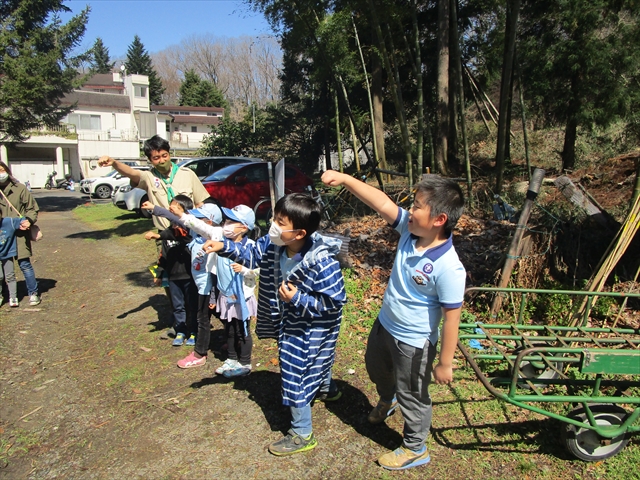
[(274, 361), (82, 306), (23, 332), (145, 349), (231, 431), (137, 391), (111, 353)]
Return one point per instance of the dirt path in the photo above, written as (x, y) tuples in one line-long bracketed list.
[(90, 391)]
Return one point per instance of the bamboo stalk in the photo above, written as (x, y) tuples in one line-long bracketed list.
[(609, 260)]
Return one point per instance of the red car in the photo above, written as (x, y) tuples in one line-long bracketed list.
[(248, 183)]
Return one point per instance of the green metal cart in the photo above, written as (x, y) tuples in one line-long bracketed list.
[(531, 368)]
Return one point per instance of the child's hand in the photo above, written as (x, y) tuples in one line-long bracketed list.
[(287, 290), (212, 306), (212, 246), (147, 206), (236, 267), (333, 178), (442, 374), (25, 224), (157, 282), (151, 235)]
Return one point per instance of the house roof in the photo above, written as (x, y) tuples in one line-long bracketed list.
[(196, 119), (102, 80), (166, 108), (95, 99)]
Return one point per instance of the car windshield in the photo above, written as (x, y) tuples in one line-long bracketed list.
[(112, 174), (224, 173)]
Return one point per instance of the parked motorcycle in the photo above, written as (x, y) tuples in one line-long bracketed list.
[(57, 183)]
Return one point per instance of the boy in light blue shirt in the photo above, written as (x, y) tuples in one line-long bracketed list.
[(426, 286)]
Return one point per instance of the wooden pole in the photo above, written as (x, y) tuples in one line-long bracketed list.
[(505, 275)]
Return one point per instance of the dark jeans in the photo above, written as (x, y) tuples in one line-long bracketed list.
[(29, 275), (184, 298), (239, 344), (204, 326)]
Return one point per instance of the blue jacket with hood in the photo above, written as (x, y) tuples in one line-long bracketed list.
[(307, 327)]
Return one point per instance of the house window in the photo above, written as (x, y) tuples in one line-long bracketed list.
[(84, 121), (212, 114), (140, 91), (194, 129), (167, 125), (99, 90)]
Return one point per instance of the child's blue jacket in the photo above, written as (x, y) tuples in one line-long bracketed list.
[(307, 327), (8, 245)]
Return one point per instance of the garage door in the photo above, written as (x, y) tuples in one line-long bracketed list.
[(34, 171)]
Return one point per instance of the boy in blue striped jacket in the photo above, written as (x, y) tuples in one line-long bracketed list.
[(300, 302)]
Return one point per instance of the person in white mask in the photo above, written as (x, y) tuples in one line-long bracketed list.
[(19, 196), (300, 300)]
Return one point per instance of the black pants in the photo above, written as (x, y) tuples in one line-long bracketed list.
[(239, 344), (204, 326)]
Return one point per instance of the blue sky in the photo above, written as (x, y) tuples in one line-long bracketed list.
[(160, 24)]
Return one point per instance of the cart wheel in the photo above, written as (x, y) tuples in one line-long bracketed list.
[(536, 370), (586, 444)]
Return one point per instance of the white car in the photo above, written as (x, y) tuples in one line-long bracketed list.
[(129, 198), (103, 187)]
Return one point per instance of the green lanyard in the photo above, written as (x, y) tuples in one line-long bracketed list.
[(170, 192)]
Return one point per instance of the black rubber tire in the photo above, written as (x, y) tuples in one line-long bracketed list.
[(585, 444), (141, 212), (47, 186), (103, 191)]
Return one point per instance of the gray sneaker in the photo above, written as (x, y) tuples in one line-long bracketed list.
[(34, 300), (227, 365), (293, 443), (382, 410)]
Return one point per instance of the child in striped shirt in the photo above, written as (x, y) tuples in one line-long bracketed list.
[(300, 300)]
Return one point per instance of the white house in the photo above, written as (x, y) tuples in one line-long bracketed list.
[(184, 127), (110, 117)]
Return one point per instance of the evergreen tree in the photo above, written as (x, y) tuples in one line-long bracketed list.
[(189, 89), (101, 62), (577, 58), (195, 92), (36, 65), (139, 62)]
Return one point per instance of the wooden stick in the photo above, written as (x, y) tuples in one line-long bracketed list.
[(505, 275), (30, 413)]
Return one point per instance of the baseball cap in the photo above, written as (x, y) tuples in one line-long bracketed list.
[(242, 214), (209, 211)]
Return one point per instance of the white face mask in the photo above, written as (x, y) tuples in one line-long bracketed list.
[(4, 176), (229, 231), (275, 235)]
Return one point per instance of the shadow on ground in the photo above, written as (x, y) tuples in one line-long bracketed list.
[(61, 201), (541, 435), (263, 387), (137, 227)]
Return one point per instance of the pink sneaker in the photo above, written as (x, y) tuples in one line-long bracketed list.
[(191, 361)]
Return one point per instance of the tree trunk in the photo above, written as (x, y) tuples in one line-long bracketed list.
[(378, 110), (452, 155), (455, 45), (376, 154), (354, 139), (442, 109), (513, 8), (418, 73), (338, 133), (327, 146), (569, 149)]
